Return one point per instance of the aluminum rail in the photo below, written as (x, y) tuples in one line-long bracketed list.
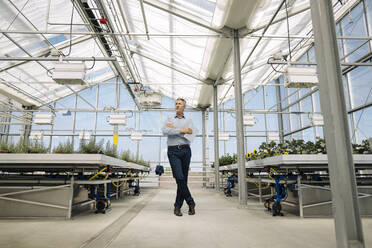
[(63, 161), (314, 162), (4, 58), (166, 35)]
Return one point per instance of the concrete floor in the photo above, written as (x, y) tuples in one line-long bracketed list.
[(148, 221)]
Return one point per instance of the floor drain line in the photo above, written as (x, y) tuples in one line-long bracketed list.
[(107, 235)]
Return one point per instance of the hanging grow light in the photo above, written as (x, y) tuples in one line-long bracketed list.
[(43, 119), (300, 77), (249, 120), (273, 136), (69, 73), (118, 119), (84, 135), (136, 136), (36, 135), (317, 120), (149, 99), (223, 136)]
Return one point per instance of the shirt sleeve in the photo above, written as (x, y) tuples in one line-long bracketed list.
[(170, 131), (195, 131)]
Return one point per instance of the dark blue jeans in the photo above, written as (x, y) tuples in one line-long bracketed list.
[(179, 160)]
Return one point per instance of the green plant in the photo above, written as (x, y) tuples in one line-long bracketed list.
[(320, 146), (37, 147), (91, 147), (227, 159), (7, 147), (363, 148), (110, 150), (66, 147), (21, 147), (125, 155)]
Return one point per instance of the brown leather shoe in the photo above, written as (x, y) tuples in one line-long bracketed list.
[(192, 209), (177, 212)]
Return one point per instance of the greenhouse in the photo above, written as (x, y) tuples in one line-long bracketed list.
[(185, 123)]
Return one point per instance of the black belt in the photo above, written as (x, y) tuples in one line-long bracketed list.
[(179, 146)]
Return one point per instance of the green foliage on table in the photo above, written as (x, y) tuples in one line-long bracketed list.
[(23, 147), (7, 147), (37, 147), (271, 149), (227, 159), (20, 147), (91, 147), (110, 150), (127, 156), (364, 148), (65, 148)]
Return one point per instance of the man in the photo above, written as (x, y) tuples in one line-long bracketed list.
[(180, 132)]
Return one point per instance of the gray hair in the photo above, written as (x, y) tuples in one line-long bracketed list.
[(179, 98)]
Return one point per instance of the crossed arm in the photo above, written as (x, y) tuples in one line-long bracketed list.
[(169, 129)]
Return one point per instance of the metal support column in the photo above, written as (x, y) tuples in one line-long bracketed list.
[(216, 145), (260, 188), (138, 127), (71, 197), (204, 146), (74, 123), (239, 121), (300, 199), (348, 224), (279, 108), (207, 160), (117, 99), (28, 116)]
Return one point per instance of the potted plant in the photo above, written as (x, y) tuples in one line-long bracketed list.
[(66, 147), (91, 147)]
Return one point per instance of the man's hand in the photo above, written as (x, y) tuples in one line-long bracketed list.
[(186, 130), (169, 125)]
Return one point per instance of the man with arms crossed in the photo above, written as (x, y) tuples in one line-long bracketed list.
[(180, 132)]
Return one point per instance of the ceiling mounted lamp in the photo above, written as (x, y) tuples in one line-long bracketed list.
[(300, 77), (249, 120), (43, 119), (118, 119), (84, 135), (317, 120), (273, 136), (69, 73), (223, 136), (136, 136), (36, 135), (149, 98)]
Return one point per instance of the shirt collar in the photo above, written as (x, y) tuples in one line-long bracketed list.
[(176, 117)]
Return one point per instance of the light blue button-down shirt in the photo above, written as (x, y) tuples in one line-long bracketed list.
[(174, 136)]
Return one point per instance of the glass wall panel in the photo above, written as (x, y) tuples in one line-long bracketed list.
[(308, 134), (63, 122), (89, 95), (125, 100), (254, 143), (67, 102), (151, 122), (254, 99), (353, 24), (84, 121), (272, 122), (363, 119), (106, 96), (360, 85), (149, 148)]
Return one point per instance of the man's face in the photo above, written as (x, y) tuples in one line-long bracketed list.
[(180, 106)]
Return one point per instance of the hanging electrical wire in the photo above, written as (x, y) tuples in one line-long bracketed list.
[(289, 41), (71, 22)]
